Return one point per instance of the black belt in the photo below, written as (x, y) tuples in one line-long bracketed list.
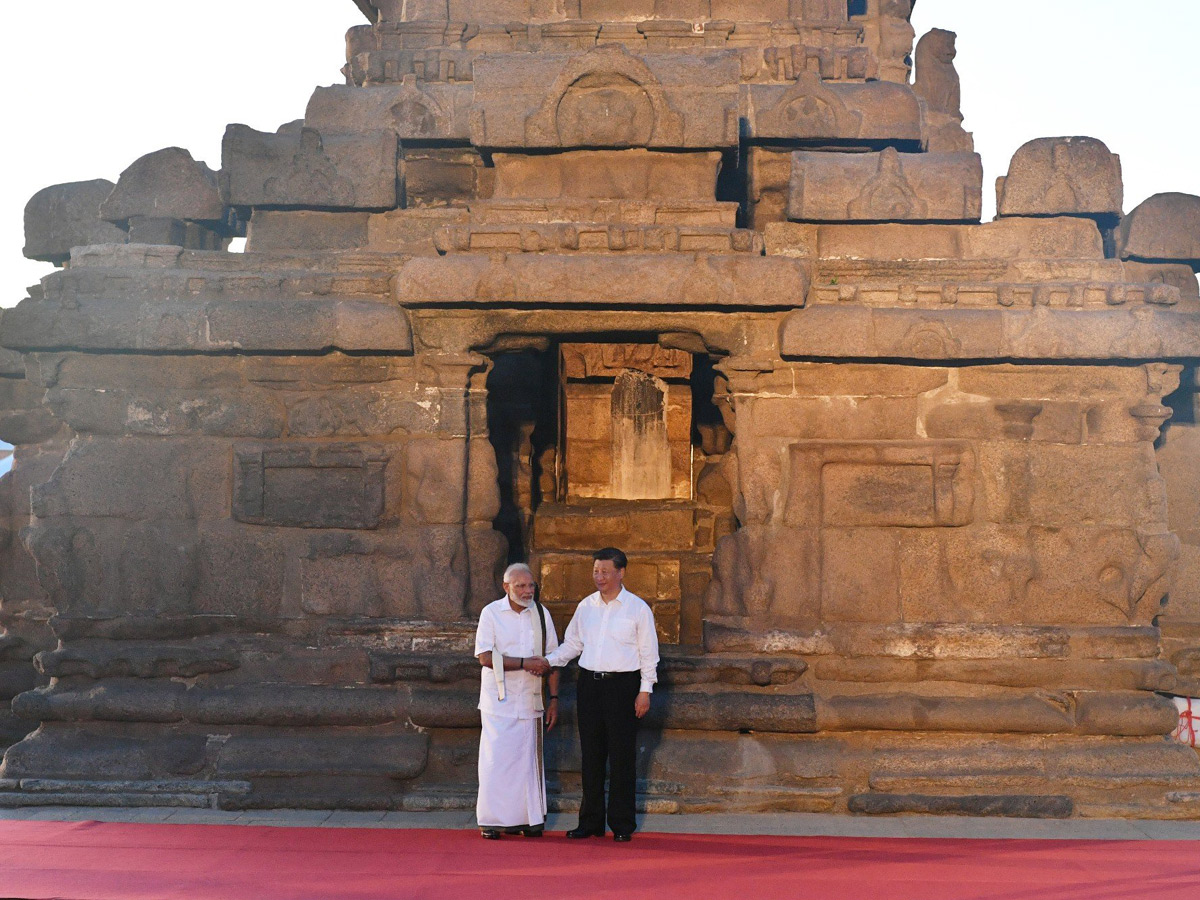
[(600, 675)]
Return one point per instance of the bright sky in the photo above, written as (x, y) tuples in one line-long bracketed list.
[(94, 85)]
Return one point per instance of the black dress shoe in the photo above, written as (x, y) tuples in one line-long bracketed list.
[(622, 838), (491, 834), (582, 832), (532, 830)]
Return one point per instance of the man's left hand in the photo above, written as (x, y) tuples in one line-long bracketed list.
[(551, 714), (641, 705)]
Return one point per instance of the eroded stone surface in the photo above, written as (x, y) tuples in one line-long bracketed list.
[(308, 169), (1061, 176), (63, 216), (1166, 227), (885, 187), (166, 184)]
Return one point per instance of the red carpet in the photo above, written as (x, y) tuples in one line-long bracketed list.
[(99, 861)]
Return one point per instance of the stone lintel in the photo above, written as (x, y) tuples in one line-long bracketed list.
[(207, 326), (1056, 239), (634, 280), (631, 174), (1140, 333)]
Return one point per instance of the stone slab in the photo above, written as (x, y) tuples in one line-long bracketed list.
[(1007, 805), (885, 187), (411, 232), (167, 184), (272, 230), (63, 216), (202, 325), (1141, 333), (1071, 176), (637, 280), (308, 169), (309, 486), (633, 213), (1163, 228), (632, 174), (1058, 239), (413, 110), (607, 97), (811, 109)]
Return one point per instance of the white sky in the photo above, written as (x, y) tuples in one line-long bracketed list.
[(91, 86)]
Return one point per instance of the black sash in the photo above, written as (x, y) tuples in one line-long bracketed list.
[(537, 609)]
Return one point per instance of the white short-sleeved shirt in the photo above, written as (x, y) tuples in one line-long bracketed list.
[(515, 634)]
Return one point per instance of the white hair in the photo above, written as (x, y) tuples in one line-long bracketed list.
[(514, 568)]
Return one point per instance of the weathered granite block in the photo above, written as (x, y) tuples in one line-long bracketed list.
[(288, 169), (413, 110), (811, 109), (606, 98), (1165, 227), (633, 174), (309, 486), (271, 230), (631, 280), (63, 216), (885, 187), (1072, 176), (165, 184)]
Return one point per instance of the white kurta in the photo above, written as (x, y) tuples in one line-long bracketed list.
[(512, 779)]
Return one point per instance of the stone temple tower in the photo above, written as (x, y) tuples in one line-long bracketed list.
[(702, 279)]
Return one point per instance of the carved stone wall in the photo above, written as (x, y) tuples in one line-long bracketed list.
[(704, 280)]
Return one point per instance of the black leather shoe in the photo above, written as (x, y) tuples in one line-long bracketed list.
[(532, 831), (622, 838), (584, 833), (490, 834)]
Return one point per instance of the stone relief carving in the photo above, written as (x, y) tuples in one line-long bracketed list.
[(810, 109), (606, 98), (888, 195)]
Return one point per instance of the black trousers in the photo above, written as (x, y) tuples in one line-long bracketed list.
[(608, 734)]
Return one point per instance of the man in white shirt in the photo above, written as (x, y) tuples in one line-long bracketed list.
[(612, 633), (512, 777)]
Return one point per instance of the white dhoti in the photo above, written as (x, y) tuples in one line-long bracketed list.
[(512, 778)]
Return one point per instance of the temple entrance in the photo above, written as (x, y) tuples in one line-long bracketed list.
[(614, 443)]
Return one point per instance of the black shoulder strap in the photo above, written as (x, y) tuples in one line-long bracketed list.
[(537, 606)]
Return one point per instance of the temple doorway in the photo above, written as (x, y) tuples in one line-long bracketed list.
[(612, 443)]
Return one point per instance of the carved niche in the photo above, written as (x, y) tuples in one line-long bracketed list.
[(306, 486), (416, 114), (605, 98), (916, 484)]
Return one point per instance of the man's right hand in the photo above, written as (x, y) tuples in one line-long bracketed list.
[(537, 665)]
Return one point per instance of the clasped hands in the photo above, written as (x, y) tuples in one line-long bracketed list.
[(536, 665)]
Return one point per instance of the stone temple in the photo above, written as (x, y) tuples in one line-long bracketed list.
[(915, 499)]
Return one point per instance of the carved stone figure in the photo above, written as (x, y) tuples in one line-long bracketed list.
[(936, 80)]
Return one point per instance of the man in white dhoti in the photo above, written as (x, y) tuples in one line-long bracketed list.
[(510, 644)]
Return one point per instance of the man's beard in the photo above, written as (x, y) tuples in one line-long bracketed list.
[(517, 600)]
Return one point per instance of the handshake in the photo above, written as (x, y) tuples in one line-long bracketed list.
[(536, 665)]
